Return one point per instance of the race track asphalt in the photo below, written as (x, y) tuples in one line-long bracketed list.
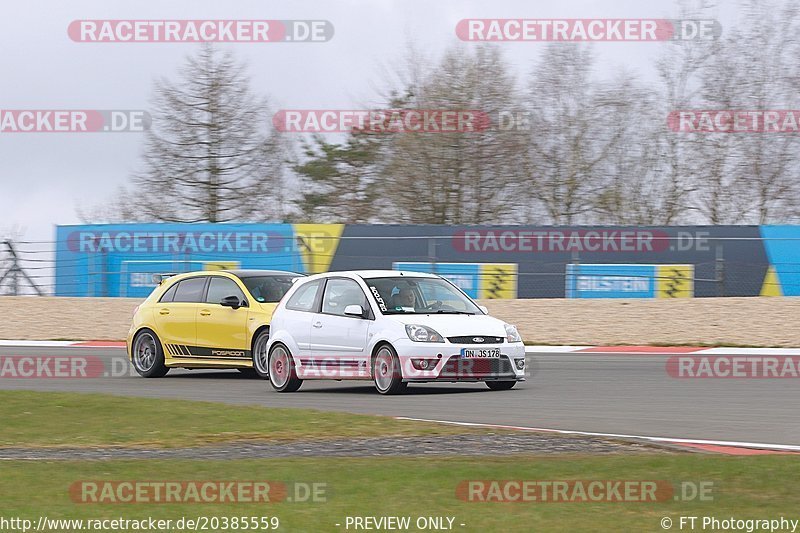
[(606, 393)]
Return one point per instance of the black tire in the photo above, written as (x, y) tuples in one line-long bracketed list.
[(282, 373), (501, 385), (249, 372), (260, 356), (147, 355), (386, 373)]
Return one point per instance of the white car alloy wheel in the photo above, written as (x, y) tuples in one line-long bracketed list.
[(279, 367), (386, 371), (281, 370)]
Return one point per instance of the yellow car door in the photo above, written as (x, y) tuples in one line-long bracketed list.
[(222, 321), (176, 316)]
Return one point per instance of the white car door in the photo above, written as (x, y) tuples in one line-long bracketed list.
[(297, 315), (338, 341)]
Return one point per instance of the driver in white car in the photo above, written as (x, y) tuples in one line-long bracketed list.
[(406, 298)]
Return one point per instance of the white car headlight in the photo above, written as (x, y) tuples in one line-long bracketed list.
[(419, 333), (512, 335)]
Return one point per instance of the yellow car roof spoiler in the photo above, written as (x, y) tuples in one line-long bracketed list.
[(158, 279)]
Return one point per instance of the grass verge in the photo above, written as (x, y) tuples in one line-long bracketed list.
[(752, 487), (761, 487), (69, 419)]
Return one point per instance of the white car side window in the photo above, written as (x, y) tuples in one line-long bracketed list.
[(339, 293), (303, 299)]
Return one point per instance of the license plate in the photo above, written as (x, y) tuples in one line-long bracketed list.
[(478, 353)]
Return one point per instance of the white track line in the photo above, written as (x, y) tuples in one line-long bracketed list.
[(735, 444), (577, 350), (749, 351), (60, 344)]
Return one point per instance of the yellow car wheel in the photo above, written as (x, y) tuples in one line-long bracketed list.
[(147, 356), (260, 355)]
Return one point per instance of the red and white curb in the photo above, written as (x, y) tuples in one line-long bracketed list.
[(62, 344), (716, 446)]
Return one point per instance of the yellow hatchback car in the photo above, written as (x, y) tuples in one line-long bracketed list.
[(216, 319)]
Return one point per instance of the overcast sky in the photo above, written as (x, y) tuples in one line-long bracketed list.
[(45, 175)]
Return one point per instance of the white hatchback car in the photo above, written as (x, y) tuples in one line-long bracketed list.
[(391, 327)]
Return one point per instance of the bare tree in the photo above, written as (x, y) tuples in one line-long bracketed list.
[(208, 156), (743, 177), (768, 164), (720, 194), (679, 70), (569, 141), (634, 188), (596, 151), (465, 176)]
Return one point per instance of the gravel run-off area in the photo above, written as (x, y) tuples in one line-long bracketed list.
[(758, 321)]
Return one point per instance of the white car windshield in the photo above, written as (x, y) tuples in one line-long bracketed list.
[(417, 295)]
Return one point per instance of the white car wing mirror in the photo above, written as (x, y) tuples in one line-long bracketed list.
[(354, 310)]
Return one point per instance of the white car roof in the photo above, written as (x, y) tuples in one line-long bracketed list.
[(375, 274)]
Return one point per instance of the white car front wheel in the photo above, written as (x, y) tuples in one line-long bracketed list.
[(386, 371)]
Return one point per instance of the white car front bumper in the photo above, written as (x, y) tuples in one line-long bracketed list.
[(446, 363)]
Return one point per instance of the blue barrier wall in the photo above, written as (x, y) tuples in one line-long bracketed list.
[(119, 260), (502, 261)]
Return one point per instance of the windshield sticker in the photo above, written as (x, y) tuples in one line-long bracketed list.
[(378, 298)]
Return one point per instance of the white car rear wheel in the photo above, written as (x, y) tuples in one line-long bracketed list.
[(282, 374)]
